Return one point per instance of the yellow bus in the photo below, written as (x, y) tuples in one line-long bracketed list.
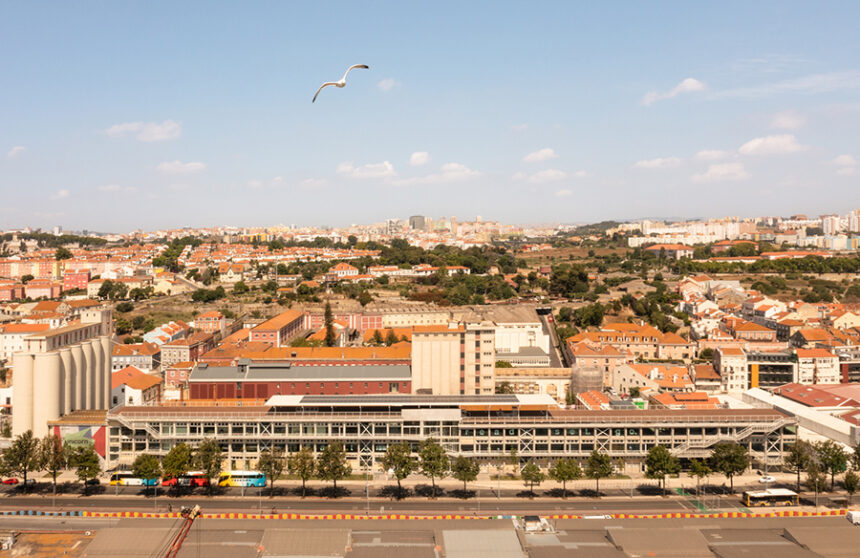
[(770, 497)]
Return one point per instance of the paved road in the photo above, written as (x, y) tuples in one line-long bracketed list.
[(375, 505)]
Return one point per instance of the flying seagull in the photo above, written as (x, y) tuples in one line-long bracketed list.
[(342, 81)]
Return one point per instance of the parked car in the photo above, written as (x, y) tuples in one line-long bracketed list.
[(30, 482), (766, 479), (11, 480), (93, 482)]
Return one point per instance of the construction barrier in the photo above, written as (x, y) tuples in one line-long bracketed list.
[(335, 517)]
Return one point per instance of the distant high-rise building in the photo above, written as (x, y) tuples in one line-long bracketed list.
[(417, 223), (831, 224), (453, 225), (854, 221)]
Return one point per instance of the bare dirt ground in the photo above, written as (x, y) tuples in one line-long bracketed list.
[(72, 544)]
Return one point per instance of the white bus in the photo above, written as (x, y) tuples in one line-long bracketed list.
[(242, 478)]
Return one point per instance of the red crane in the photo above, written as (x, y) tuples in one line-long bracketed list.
[(190, 514)]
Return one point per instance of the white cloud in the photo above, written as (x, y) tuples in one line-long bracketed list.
[(178, 167), (419, 158), (563, 193), (711, 155), (450, 172), (388, 84), (60, 195), (689, 85), (580, 174), (659, 163), (147, 131), (845, 171), (520, 127), (722, 172), (788, 120), (544, 154), (772, 145), (844, 161), (548, 175), (16, 152), (370, 170)]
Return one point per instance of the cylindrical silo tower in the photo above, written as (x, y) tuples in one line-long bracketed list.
[(98, 372), (47, 376), (80, 377), (22, 403), (107, 351), (89, 359), (68, 387)]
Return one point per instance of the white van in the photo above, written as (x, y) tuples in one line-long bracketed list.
[(853, 517)]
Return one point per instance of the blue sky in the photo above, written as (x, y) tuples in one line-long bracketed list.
[(116, 116)]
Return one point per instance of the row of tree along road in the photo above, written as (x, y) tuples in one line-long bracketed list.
[(28, 454)]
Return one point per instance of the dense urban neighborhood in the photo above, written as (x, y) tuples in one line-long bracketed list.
[(434, 347)]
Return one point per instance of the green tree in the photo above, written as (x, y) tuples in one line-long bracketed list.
[(377, 337), (207, 458), (271, 464), (330, 339), (465, 470), (302, 465), (598, 466), (22, 456), (106, 289), (851, 482), (398, 460), (504, 387), (391, 338), (565, 470), (177, 461), (832, 458), (124, 307), (146, 466), (85, 460), (855, 457), (797, 459), (660, 462), (532, 475), (123, 326), (62, 254), (365, 298), (240, 288), (332, 464), (26, 278), (816, 479), (54, 456), (700, 470), (730, 459), (433, 461)]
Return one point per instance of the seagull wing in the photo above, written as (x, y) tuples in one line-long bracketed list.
[(354, 66), (321, 88)]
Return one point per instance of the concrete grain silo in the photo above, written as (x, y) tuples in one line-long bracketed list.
[(68, 380), (22, 410), (48, 377)]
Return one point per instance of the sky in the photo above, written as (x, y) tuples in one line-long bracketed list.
[(117, 116)]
